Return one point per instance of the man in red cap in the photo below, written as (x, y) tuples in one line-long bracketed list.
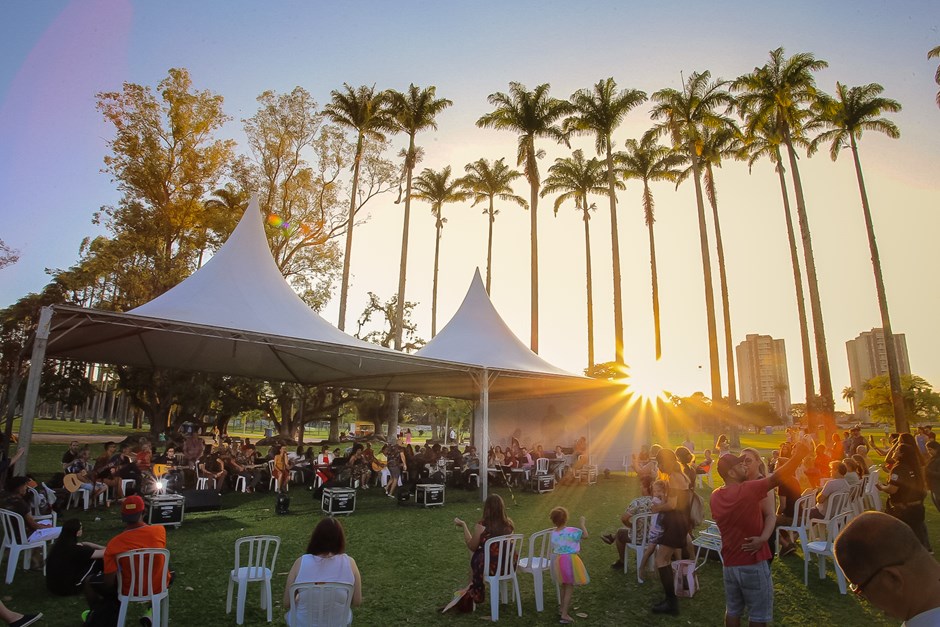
[(736, 508)]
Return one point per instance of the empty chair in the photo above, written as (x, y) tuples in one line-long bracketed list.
[(639, 538), (800, 523), (320, 604), (708, 539), (254, 562), (871, 496), (499, 575), (16, 541), (823, 549), (537, 562), (142, 578)]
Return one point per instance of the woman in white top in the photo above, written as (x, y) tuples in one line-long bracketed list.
[(325, 561)]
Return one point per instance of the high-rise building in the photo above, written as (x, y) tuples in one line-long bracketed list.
[(868, 359), (762, 372)]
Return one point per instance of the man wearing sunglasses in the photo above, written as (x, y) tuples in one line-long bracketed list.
[(888, 565)]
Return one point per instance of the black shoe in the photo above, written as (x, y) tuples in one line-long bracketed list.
[(667, 606), (28, 619)]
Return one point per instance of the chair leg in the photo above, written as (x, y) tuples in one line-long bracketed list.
[(240, 603), (539, 594), (228, 598), (806, 556), (822, 565), (270, 604), (156, 606), (122, 613), (166, 611), (494, 600), (840, 577), (515, 590), (11, 564)]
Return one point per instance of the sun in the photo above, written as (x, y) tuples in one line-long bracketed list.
[(647, 380)]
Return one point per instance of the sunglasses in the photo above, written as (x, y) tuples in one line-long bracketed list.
[(859, 589)]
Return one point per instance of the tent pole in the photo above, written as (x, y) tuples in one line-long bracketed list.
[(485, 434), (32, 386)]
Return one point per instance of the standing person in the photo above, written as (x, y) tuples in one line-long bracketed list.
[(736, 507), (567, 568), (932, 472), (71, 562), (754, 468), (906, 491), (494, 523), (886, 563), (397, 464), (324, 561), (722, 445), (676, 527)]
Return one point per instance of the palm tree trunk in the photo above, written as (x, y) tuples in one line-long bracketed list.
[(822, 353), (714, 366), (723, 284), (894, 375), (615, 255), (347, 257), (437, 252), (489, 248), (808, 383), (590, 284), (532, 173), (400, 305), (648, 210)]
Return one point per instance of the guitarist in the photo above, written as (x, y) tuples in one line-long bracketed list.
[(81, 469)]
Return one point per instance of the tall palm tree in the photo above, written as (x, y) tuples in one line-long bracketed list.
[(573, 178), (438, 189), (599, 111), (530, 114), (486, 182), (764, 142), (933, 54), (412, 111), (779, 94), (362, 110), (715, 145), (683, 117), (648, 161), (852, 111), (848, 394)]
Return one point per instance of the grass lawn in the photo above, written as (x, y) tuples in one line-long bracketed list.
[(412, 560)]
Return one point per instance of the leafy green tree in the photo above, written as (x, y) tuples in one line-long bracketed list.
[(845, 117), (486, 182), (438, 189), (8, 256), (934, 53), (573, 178), (763, 142), (778, 95), (683, 117), (647, 161), (363, 111), (599, 111), (921, 403), (530, 114)]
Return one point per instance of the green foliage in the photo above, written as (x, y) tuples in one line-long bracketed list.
[(8, 256), (921, 403), (852, 111), (573, 178), (758, 414)]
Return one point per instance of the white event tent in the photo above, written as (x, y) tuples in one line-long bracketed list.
[(237, 315)]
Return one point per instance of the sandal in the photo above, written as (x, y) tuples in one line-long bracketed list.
[(607, 538)]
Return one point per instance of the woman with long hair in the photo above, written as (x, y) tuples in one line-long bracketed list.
[(494, 523), (755, 468), (676, 526), (722, 445), (324, 561), (71, 562), (906, 489)]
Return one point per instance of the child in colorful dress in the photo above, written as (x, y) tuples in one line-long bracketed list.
[(567, 568)]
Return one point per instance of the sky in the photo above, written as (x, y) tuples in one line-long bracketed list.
[(58, 55)]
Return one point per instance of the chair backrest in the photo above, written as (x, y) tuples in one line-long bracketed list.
[(260, 553), (145, 571), (801, 509), (321, 604), (505, 553), (14, 529), (871, 479), (540, 546), (855, 494), (640, 529), (837, 504), (834, 526), (541, 466)]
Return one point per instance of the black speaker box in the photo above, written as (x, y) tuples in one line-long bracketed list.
[(202, 500)]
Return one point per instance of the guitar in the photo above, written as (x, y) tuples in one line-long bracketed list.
[(72, 482), (377, 465)]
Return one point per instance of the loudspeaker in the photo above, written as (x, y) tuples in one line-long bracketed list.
[(282, 504), (202, 500)]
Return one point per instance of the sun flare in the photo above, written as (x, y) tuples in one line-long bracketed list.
[(648, 381)]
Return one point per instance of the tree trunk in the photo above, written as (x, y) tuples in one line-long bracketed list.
[(808, 384), (648, 212), (347, 257), (822, 353), (533, 176), (615, 255), (590, 284), (725, 303), (437, 254), (489, 248), (714, 366), (894, 375)]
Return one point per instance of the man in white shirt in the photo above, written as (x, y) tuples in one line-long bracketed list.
[(887, 564), (836, 483)]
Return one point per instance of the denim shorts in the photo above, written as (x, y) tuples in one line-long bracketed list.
[(750, 587)]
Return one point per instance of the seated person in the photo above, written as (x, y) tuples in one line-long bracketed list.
[(71, 454), (242, 465), (70, 562), (836, 483), (852, 474), (213, 468), (81, 468), (15, 500), (639, 505)]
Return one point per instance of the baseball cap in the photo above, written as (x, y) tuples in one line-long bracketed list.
[(726, 462), (133, 506)]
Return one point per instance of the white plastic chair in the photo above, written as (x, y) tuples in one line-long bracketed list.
[(800, 524), (258, 565), (538, 562), (504, 571), (836, 505), (854, 503), (823, 549), (327, 604), (274, 480), (147, 582), (17, 541), (870, 495), (37, 512), (541, 466), (124, 485), (639, 538)]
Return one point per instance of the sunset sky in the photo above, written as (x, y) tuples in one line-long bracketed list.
[(58, 55)]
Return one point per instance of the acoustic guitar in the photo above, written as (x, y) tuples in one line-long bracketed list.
[(378, 465), (72, 482), (161, 469)]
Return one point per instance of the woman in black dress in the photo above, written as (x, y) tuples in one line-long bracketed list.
[(906, 491), (676, 526)]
